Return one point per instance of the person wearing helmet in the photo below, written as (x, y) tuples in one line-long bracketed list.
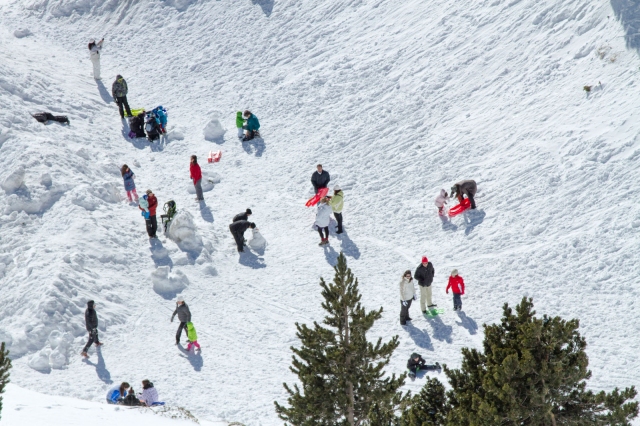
[(184, 315)]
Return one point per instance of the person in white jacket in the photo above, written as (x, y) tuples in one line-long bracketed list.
[(407, 295), (323, 217), (441, 200), (94, 55)]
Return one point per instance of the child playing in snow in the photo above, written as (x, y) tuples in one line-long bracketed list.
[(417, 363), (441, 200), (240, 124), (129, 184), (456, 284), (143, 205), (192, 336)]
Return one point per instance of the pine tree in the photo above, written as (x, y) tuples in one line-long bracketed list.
[(5, 365), (340, 371), (533, 372), (429, 407)]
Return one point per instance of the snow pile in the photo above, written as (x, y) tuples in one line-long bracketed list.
[(21, 33), (14, 181), (55, 355), (184, 232), (209, 180), (213, 131), (257, 242), (168, 284)]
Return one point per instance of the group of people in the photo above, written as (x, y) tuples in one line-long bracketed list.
[(125, 395), (248, 125), (458, 190), (328, 204)]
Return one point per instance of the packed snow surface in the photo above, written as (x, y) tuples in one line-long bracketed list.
[(396, 98)]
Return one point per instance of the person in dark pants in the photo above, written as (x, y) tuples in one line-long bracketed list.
[(465, 187), (184, 315), (242, 216), (424, 274), (337, 203), (320, 178), (417, 363), (119, 92), (152, 223), (407, 295), (237, 230), (91, 323)]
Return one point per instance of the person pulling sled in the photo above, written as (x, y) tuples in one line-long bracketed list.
[(465, 187)]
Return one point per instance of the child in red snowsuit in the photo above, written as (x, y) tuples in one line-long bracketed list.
[(456, 284)]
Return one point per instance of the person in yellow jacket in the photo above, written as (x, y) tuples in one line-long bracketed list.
[(337, 203)]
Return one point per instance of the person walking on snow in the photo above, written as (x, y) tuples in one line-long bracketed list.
[(152, 223), (320, 178), (252, 126), (417, 363), (196, 176), (238, 229), (441, 200), (407, 295), (323, 218), (465, 187), (456, 284), (94, 55), (91, 323), (184, 315), (242, 216), (192, 337), (424, 274), (119, 92), (129, 184), (337, 203), (240, 124)]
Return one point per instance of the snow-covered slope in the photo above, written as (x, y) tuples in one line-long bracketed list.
[(396, 98)]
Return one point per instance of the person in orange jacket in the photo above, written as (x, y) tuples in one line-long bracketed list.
[(456, 284)]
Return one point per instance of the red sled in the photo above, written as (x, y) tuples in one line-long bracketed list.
[(214, 157), (322, 192), (457, 209)]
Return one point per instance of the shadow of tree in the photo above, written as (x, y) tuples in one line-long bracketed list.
[(265, 5)]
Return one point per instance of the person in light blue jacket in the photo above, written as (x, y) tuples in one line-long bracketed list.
[(252, 126), (116, 394)]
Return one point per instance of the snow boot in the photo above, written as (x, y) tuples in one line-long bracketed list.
[(85, 355)]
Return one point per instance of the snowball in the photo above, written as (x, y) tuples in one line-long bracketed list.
[(45, 180), (183, 231), (213, 130), (40, 361), (14, 181), (22, 32), (258, 242), (163, 283)]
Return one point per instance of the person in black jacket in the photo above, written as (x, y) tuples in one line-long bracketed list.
[(424, 275), (91, 323), (320, 179), (237, 230), (184, 315), (137, 125), (417, 363), (242, 216)]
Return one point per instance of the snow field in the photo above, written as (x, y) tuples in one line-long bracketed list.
[(396, 99)]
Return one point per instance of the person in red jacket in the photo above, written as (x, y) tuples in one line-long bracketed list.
[(456, 284), (152, 223), (196, 175)]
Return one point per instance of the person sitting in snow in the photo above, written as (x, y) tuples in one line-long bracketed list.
[(465, 187), (117, 394), (417, 363), (441, 200), (149, 393), (136, 124), (251, 127)]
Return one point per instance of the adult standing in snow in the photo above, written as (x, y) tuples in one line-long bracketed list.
[(243, 216), (320, 178), (129, 184), (407, 295), (337, 203), (424, 274), (91, 323), (465, 187), (184, 315), (456, 284), (152, 223), (323, 218), (94, 55), (441, 200), (149, 393), (238, 229), (251, 127), (196, 176), (119, 90)]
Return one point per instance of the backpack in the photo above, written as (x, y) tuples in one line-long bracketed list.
[(170, 210)]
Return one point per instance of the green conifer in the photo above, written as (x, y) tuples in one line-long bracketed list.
[(341, 373), (429, 407), (5, 365)]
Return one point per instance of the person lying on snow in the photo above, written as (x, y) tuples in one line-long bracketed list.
[(417, 363)]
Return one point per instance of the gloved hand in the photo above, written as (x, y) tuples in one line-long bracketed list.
[(404, 303)]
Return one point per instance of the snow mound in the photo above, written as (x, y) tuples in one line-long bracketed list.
[(167, 284), (21, 33), (209, 179), (175, 135), (14, 181), (55, 355), (257, 242), (213, 131), (184, 232)]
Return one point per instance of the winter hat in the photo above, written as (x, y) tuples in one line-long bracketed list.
[(148, 191), (252, 225), (180, 299), (337, 188), (118, 76), (249, 211), (414, 355), (90, 304), (454, 272), (424, 259)]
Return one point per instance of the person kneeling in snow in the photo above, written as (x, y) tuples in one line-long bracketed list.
[(117, 394), (417, 363), (441, 200), (251, 127), (149, 393), (136, 124)]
